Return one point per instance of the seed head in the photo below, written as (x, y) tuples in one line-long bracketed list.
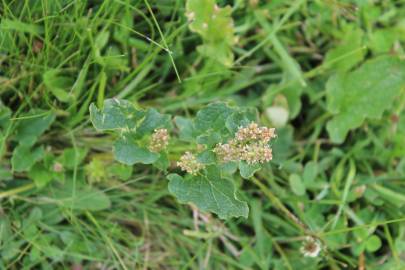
[(159, 140), (189, 163)]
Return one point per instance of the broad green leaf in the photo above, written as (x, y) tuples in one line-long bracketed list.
[(229, 167), (212, 117), (82, 198), (52, 215), (24, 157), (292, 93), (130, 153), (373, 243), (358, 248), (32, 125), (163, 162), (348, 53), (382, 40), (208, 194), (248, 170), (72, 157), (41, 175), (58, 85), (220, 52), (121, 171), (334, 241), (101, 39), (153, 120), (310, 172), (240, 119), (364, 93), (209, 139), (5, 231), (296, 184), (206, 18), (186, 128), (5, 114), (282, 145), (5, 174), (116, 114), (10, 247), (206, 157)]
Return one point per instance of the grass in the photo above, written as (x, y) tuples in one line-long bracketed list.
[(56, 57)]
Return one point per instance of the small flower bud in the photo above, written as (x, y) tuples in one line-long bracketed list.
[(190, 16), (57, 167)]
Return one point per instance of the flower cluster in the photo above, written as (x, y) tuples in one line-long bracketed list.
[(159, 140), (189, 163), (253, 132), (311, 247), (251, 144)]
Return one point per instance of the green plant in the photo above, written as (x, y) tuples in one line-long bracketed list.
[(206, 18), (327, 74), (221, 140)]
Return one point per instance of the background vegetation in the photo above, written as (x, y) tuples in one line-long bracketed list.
[(327, 74)]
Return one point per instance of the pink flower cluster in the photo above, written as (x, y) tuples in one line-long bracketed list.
[(159, 140), (251, 144)]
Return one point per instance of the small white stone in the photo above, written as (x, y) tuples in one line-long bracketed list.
[(190, 16), (277, 115)]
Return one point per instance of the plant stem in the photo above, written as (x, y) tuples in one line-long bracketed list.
[(273, 198), (15, 191)]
